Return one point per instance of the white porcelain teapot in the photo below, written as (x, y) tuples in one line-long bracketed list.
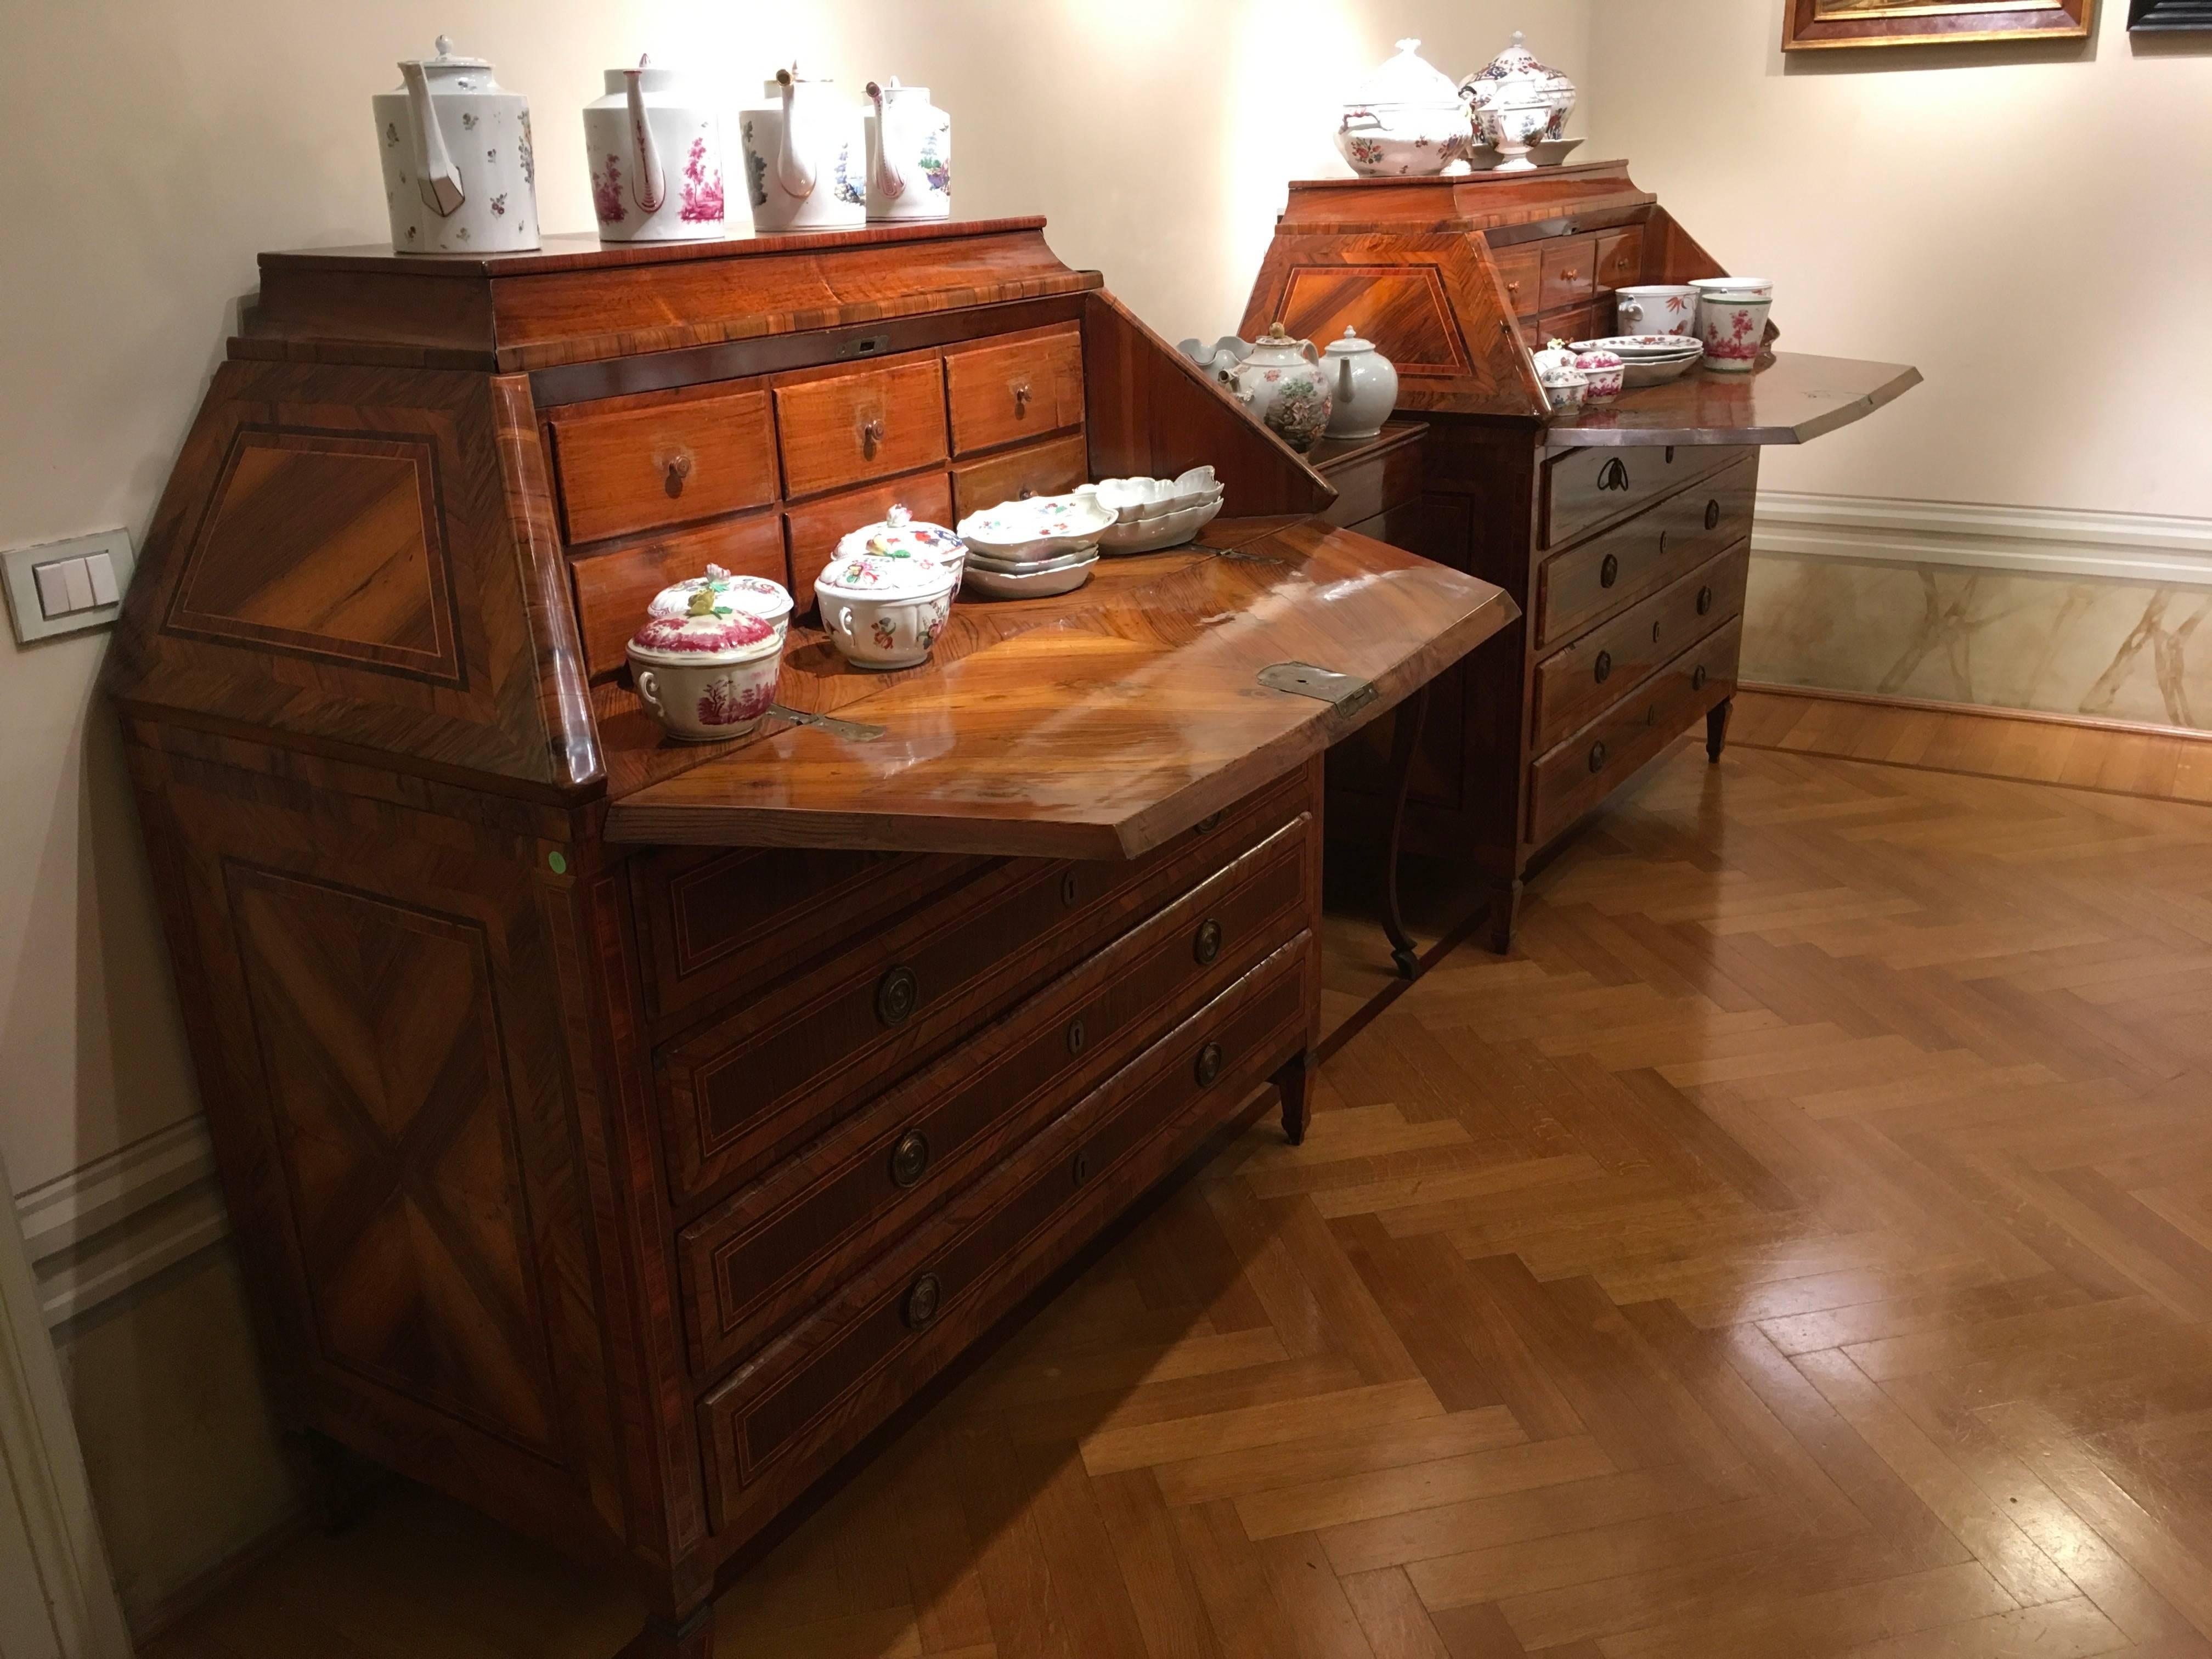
[(805, 156), (459, 176), (1282, 382), (654, 150), (909, 154)]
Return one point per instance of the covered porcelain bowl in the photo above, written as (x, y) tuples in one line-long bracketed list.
[(1515, 79), (1404, 120), (722, 593), (706, 677), (900, 535), (884, 611)]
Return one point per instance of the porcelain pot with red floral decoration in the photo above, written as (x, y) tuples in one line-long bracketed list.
[(722, 593), (899, 535), (706, 679), (883, 612), (654, 150)]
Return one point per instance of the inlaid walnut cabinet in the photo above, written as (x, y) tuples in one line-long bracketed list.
[(1622, 533), (618, 1132)]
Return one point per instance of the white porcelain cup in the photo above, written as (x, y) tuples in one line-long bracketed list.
[(1656, 309), (1733, 330)]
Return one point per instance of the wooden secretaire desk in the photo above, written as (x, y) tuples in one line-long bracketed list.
[(616, 1132)]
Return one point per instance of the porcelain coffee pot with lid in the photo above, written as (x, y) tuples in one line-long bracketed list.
[(909, 154), (459, 174), (654, 150), (805, 159)]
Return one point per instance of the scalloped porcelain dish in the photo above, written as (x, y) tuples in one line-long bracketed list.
[(1133, 500), (1029, 567), (1152, 535), (1036, 528), (1066, 578), (1645, 348)]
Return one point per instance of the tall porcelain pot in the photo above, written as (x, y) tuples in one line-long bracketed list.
[(654, 150), (458, 173), (805, 160), (909, 154), (1363, 387), (1282, 382)]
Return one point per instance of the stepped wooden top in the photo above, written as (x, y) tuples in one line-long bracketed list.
[(1095, 725)]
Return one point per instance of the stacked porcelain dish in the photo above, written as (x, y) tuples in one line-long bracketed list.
[(1033, 549), (1151, 514), (1649, 359)]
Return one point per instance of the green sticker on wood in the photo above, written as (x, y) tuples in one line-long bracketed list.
[(559, 861)]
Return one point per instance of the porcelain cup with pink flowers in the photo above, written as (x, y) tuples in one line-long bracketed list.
[(1732, 321)]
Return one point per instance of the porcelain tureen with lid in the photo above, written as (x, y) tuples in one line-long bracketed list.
[(706, 677), (885, 611), (1514, 80), (722, 593), (1404, 120)]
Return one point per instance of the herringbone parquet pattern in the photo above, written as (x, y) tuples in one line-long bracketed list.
[(1803, 1245)]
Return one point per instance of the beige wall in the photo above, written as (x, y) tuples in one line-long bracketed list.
[(164, 141)]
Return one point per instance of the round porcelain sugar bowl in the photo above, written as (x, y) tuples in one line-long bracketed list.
[(900, 535), (884, 612), (1605, 370), (707, 678), (721, 594)]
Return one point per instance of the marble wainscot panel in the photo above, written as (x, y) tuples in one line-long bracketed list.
[(2062, 644)]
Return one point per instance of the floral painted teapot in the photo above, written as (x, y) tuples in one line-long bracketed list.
[(806, 158), (909, 154), (655, 151), (1282, 382), (459, 174)]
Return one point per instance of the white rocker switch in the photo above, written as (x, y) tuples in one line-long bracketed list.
[(66, 587)]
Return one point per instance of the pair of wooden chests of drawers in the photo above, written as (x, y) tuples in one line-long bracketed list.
[(888, 1083), (763, 475)]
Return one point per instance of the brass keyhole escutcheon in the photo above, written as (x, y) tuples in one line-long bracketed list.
[(1208, 824), (1712, 514), (1604, 666), (1071, 888), (1609, 572), (1597, 756), (1075, 1037), (1698, 679), (922, 1300), (1209, 1065), (1705, 600), (1207, 946), (909, 1159), (1078, 1167), (898, 993), (677, 468)]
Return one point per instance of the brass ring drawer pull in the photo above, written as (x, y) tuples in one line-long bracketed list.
[(909, 1159), (678, 468), (1021, 399), (871, 435), (1698, 679), (1076, 1035), (1705, 600), (1207, 946), (1597, 756), (1604, 666), (1209, 1065), (1609, 572), (923, 1298), (898, 993), (1712, 514)]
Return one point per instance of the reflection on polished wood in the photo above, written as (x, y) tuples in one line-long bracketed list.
[(1803, 1245), (1094, 726), (1791, 398)]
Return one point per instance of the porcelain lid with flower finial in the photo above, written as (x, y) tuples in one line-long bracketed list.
[(1407, 79), (877, 576), (720, 593), (900, 535), (710, 638)]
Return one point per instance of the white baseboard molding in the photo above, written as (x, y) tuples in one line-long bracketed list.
[(103, 1230), (2134, 547)]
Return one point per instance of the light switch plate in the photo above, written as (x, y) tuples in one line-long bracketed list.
[(31, 622)]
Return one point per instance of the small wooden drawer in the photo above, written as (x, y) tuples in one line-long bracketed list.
[(814, 1391), (639, 469), (1574, 775), (1581, 322), (816, 527), (1594, 579), (1583, 488), (1608, 662), (1522, 271), (1052, 468), (613, 589), (1569, 272), (779, 1245), (1022, 387), (842, 428), (1620, 259), (1379, 481), (798, 1054)]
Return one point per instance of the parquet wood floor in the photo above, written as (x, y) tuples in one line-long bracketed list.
[(1802, 1245)]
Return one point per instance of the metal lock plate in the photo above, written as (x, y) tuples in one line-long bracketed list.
[(1324, 685)]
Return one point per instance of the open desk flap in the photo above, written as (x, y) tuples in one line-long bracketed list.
[(1093, 726), (1789, 399)]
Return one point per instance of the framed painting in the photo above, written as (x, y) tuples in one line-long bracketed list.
[(1811, 24), (2168, 16)]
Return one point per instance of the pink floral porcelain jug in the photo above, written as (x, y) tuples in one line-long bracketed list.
[(654, 150)]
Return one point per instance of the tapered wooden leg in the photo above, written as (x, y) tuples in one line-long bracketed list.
[(1404, 744), (1505, 904), (1716, 719), (1291, 1079), (694, 1638)]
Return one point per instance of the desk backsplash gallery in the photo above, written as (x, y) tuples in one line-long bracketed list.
[(2102, 615)]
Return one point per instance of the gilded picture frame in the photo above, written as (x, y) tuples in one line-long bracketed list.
[(2169, 16), (1817, 25)]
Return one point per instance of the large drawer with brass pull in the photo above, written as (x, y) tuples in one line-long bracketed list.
[(846, 425), (1583, 488), (824, 1383), (1571, 685), (1576, 774), (671, 462), (748, 1265), (798, 1053), (1594, 579), (1022, 386)]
